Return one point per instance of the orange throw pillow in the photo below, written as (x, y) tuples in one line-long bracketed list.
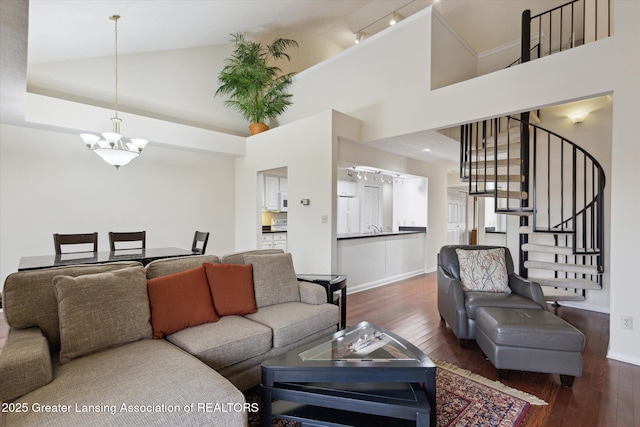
[(232, 288), (179, 301)]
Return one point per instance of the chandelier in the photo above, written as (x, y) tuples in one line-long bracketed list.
[(111, 147)]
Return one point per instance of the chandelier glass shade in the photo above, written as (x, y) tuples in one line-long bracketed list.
[(111, 147)]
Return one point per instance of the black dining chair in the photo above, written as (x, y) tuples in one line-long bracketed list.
[(200, 237), (135, 236), (60, 240)]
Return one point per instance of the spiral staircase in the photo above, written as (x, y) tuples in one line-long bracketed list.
[(554, 186)]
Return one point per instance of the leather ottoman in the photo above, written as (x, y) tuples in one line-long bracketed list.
[(530, 340)]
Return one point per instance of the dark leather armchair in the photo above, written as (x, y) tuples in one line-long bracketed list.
[(458, 307)]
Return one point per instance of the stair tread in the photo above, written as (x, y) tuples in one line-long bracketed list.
[(515, 212), (551, 294), (560, 250), (492, 163), (503, 194), (529, 230), (499, 178), (561, 266), (566, 283)]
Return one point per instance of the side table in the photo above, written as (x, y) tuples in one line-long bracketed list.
[(332, 283)]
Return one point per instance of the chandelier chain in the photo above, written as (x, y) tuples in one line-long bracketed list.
[(115, 18)]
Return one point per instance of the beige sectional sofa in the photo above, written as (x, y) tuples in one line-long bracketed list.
[(79, 349)]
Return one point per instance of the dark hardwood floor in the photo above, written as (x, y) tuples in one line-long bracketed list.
[(607, 393)]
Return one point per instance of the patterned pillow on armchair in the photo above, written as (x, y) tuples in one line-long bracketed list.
[(483, 270)]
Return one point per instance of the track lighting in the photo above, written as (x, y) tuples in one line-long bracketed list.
[(394, 18)]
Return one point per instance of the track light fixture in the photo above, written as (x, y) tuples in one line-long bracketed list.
[(394, 18)]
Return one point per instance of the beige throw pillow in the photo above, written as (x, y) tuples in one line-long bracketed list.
[(274, 279), (99, 311)]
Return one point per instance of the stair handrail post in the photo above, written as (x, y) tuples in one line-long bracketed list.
[(525, 44), (524, 185)]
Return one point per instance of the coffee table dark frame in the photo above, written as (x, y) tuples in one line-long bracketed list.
[(285, 378)]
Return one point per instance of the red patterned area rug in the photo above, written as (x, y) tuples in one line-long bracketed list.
[(462, 399), (467, 399)]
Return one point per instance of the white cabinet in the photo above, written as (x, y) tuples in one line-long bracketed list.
[(271, 190), (347, 189), (273, 186), (348, 215), (274, 241)]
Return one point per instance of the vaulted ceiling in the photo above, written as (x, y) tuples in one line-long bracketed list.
[(62, 30)]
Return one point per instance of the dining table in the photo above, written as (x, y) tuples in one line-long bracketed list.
[(144, 256)]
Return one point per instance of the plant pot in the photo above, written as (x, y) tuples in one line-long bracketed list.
[(257, 128)]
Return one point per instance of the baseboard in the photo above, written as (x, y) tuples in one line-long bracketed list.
[(623, 358), (382, 282), (585, 306)]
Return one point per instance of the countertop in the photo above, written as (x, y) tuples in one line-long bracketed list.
[(415, 230)]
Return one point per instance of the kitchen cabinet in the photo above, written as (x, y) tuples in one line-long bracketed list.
[(273, 187), (271, 196), (348, 215), (274, 241), (347, 189)]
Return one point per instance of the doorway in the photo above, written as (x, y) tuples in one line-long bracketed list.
[(456, 217)]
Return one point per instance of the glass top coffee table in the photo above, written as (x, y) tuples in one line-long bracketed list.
[(362, 375)]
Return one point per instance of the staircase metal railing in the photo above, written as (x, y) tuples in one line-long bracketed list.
[(558, 183), (564, 27)]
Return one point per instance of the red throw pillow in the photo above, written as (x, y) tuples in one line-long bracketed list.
[(232, 288), (179, 301)]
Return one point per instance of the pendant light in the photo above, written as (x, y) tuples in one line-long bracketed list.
[(112, 149)]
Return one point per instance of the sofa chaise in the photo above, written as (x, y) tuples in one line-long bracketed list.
[(80, 349)]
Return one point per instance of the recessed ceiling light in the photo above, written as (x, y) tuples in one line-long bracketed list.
[(426, 150)]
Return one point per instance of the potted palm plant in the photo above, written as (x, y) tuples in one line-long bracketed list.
[(255, 87)]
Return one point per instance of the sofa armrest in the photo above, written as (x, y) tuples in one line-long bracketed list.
[(527, 289), (312, 293), (451, 303), (25, 363)]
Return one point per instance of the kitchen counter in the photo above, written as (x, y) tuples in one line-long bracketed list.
[(345, 236), (375, 259)]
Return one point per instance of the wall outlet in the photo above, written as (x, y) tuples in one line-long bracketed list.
[(627, 322), (324, 219)]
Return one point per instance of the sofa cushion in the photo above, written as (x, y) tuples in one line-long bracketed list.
[(154, 380), (163, 267), (180, 300), (103, 310), (29, 299), (238, 257), (230, 340), (274, 279), (473, 300), (232, 288), (483, 270), (293, 321)]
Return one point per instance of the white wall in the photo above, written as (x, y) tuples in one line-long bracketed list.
[(307, 148), (452, 59), (50, 182)]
